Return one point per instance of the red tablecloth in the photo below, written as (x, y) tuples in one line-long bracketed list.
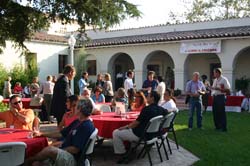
[(108, 122), (34, 145), (230, 101), (25, 101)]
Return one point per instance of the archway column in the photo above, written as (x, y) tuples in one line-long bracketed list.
[(179, 78), (229, 74)]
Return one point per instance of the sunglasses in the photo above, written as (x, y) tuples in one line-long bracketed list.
[(18, 102)]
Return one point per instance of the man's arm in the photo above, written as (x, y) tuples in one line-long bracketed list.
[(72, 149), (131, 125), (26, 119)]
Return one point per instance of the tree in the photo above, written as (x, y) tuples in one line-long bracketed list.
[(201, 10), (20, 21)]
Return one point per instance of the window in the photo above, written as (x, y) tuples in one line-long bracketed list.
[(91, 67), (62, 61)]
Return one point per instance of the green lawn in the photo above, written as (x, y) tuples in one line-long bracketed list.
[(214, 147)]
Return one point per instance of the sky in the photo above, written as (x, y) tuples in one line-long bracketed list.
[(154, 12)]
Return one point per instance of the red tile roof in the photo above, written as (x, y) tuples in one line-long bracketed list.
[(172, 36), (41, 36)]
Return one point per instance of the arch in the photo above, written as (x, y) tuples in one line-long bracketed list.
[(162, 63), (241, 64), (204, 63), (119, 63)]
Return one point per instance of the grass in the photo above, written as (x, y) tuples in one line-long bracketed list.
[(214, 148)]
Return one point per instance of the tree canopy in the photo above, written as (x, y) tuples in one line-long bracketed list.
[(20, 21), (200, 10)]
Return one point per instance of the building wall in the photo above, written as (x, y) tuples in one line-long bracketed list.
[(47, 56)]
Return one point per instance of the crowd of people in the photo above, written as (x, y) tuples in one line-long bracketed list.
[(72, 111)]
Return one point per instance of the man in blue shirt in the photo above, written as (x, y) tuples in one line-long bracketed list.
[(195, 88), (150, 84), (75, 137)]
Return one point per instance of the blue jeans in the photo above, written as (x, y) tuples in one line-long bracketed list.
[(195, 104)]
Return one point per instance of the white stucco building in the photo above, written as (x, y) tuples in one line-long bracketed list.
[(185, 48)]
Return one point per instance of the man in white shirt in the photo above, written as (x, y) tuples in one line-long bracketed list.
[(47, 89), (220, 88), (128, 83)]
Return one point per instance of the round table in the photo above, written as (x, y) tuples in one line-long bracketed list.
[(109, 121), (34, 145)]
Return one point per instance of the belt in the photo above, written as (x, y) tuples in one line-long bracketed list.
[(218, 95)]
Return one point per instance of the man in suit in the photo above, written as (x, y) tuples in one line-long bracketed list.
[(62, 92)]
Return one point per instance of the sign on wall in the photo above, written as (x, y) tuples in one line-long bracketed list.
[(200, 47)]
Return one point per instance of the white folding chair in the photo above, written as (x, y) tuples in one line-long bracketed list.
[(104, 108), (88, 150), (12, 153)]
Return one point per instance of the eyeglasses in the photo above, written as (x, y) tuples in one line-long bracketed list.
[(18, 102)]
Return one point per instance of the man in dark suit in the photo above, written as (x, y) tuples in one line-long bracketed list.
[(62, 92)]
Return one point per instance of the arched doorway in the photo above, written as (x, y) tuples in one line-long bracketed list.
[(118, 65), (241, 69), (162, 64), (203, 63)]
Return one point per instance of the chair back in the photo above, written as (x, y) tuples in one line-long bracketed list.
[(105, 108), (154, 124), (91, 142), (12, 153), (166, 123), (172, 122)]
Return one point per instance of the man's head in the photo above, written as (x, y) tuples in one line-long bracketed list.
[(130, 74), (69, 71), (85, 75), (217, 72), (86, 93), (85, 107), (151, 75), (153, 97), (196, 76), (16, 102), (49, 78)]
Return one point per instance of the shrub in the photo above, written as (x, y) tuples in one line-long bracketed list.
[(3, 77), (177, 92), (242, 83), (3, 107)]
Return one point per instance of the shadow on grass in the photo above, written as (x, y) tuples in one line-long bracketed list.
[(215, 147)]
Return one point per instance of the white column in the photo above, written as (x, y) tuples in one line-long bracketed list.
[(228, 73), (138, 79), (179, 79), (72, 63)]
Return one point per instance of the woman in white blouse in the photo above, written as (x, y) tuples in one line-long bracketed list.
[(169, 102)]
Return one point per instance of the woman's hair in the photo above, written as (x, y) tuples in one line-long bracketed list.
[(73, 98), (160, 78), (98, 89), (143, 100), (107, 77), (170, 92), (121, 92)]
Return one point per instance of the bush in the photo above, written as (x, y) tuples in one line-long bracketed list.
[(3, 107), (177, 92), (242, 83), (3, 77)]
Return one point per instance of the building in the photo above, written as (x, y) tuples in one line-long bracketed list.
[(184, 48)]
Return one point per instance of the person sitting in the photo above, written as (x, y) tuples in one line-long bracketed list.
[(121, 96), (26, 91), (98, 97), (245, 105), (71, 115), (17, 117), (134, 130), (86, 95), (18, 88), (139, 103), (76, 136), (131, 97), (169, 102)]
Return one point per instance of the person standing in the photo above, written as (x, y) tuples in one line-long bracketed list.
[(161, 88), (47, 89), (220, 88), (195, 88), (61, 92), (99, 81), (7, 88), (206, 95), (108, 88), (128, 83), (34, 87), (83, 82), (150, 84)]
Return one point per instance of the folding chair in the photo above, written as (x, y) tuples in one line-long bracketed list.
[(148, 139), (171, 127), (88, 150), (12, 153), (166, 123), (104, 108)]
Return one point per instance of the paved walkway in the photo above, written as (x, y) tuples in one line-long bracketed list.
[(103, 155)]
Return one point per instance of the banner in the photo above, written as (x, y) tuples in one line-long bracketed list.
[(200, 47)]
